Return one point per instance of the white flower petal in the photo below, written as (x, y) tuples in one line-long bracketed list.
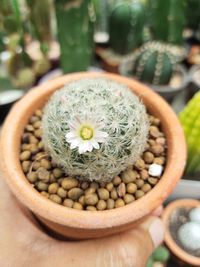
[(70, 135), (90, 146), (95, 144), (75, 143)]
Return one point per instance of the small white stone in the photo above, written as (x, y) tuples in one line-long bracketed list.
[(189, 235), (194, 215), (155, 170)]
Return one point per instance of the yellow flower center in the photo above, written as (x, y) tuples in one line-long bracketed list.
[(86, 133)]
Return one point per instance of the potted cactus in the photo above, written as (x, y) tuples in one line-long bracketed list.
[(182, 220), (159, 258), (156, 64), (125, 28), (93, 158)]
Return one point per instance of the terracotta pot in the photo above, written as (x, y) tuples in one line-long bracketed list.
[(85, 224), (182, 255)]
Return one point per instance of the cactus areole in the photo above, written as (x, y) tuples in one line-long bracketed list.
[(95, 128)]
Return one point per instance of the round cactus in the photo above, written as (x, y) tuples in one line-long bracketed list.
[(189, 235), (154, 62), (95, 128), (194, 215)]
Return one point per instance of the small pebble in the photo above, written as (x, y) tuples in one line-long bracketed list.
[(75, 193), (68, 203), (91, 208), (154, 131), (121, 190), (32, 177), (128, 198), (144, 175), (41, 186), (55, 198), (103, 193), (131, 188), (84, 185), (140, 164), (91, 199), (82, 200), (148, 157), (62, 192), (77, 206), (90, 191), (129, 176), (152, 181), (117, 180), (110, 204), (139, 194), (155, 170), (109, 186), (25, 155), (45, 194), (26, 166), (101, 205), (53, 188), (45, 164), (157, 149), (146, 188), (139, 183), (119, 203), (113, 194), (43, 174), (94, 185), (69, 183)]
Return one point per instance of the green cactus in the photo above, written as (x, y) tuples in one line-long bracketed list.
[(193, 14), (95, 128), (160, 254), (75, 26), (190, 120), (167, 19), (41, 21), (154, 62), (126, 25)]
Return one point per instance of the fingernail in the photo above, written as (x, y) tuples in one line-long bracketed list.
[(157, 231)]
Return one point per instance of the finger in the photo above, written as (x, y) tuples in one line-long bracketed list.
[(158, 211)]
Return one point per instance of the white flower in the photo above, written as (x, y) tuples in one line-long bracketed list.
[(85, 135)]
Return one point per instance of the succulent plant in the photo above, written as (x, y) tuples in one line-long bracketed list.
[(95, 128), (75, 35), (154, 62), (167, 19), (194, 215), (189, 235), (160, 255), (190, 120), (126, 25)]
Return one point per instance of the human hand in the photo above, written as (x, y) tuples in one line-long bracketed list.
[(24, 244)]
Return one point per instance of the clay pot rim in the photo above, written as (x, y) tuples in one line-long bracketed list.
[(90, 219), (176, 250)]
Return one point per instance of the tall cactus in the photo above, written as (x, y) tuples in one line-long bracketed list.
[(167, 20), (190, 120), (75, 25), (154, 62), (41, 21), (126, 26)]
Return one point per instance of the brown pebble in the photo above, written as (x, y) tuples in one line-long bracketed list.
[(109, 186), (33, 119), (84, 185), (68, 203), (94, 185), (139, 194), (75, 193), (157, 149), (91, 208), (60, 181), (32, 177), (52, 179), (152, 181), (102, 184), (37, 124), (101, 205), (82, 200), (161, 140), (38, 113), (129, 176), (45, 194), (33, 149), (29, 128), (36, 166), (103, 193), (131, 188), (61, 192), (139, 164), (57, 172), (121, 190), (110, 204), (45, 163), (40, 145), (38, 133), (119, 203), (77, 206), (52, 189), (91, 199), (144, 175), (146, 188), (43, 174), (139, 183), (116, 181), (89, 191), (151, 142), (26, 166), (55, 198), (33, 140), (159, 160), (41, 186), (128, 198), (156, 121), (69, 183), (25, 155), (25, 137), (113, 194), (154, 131), (25, 147), (148, 157)]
